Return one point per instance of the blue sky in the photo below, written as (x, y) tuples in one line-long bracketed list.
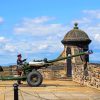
[(35, 28)]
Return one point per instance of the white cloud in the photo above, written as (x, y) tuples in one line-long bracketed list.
[(3, 39), (92, 13), (97, 37), (48, 36), (1, 20), (38, 20), (84, 20), (3, 42), (90, 23), (90, 17), (45, 46), (9, 48), (39, 46), (45, 36), (38, 27)]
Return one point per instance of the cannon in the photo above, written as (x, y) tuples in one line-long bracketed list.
[(31, 73)]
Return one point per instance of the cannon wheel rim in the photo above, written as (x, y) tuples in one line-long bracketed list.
[(34, 75)]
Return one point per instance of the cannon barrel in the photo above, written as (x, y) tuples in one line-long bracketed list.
[(70, 56), (45, 62)]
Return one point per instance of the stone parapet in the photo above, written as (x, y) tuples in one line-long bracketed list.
[(11, 70), (90, 77), (53, 72)]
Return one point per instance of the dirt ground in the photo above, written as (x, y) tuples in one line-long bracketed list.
[(49, 90)]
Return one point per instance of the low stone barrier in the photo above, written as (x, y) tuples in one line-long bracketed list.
[(89, 77), (53, 74), (11, 70)]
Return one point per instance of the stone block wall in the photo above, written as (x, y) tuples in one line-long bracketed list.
[(90, 77), (55, 73), (11, 70), (6, 71)]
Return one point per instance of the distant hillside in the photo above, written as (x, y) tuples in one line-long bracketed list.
[(5, 65), (98, 62)]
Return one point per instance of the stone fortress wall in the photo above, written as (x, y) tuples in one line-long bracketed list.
[(90, 77)]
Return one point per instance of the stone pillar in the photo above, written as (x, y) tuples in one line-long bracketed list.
[(69, 64)]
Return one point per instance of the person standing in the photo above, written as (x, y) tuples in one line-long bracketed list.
[(19, 66)]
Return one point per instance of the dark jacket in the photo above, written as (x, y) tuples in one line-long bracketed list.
[(20, 62)]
